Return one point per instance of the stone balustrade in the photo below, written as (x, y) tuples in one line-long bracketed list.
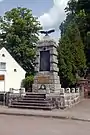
[(70, 96), (14, 94), (65, 98)]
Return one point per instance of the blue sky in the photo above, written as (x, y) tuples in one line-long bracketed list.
[(50, 13), (38, 6)]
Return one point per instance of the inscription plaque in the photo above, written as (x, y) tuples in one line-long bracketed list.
[(43, 80), (45, 60)]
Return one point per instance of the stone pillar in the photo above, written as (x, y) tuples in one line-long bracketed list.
[(46, 79), (72, 90), (88, 78), (83, 84)]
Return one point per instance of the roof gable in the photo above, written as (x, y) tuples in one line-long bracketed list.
[(6, 52)]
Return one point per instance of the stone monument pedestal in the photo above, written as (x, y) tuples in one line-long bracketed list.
[(46, 79), (47, 82)]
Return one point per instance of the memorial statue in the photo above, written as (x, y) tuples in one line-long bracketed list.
[(47, 32), (46, 79)]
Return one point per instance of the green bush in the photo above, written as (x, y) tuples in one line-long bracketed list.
[(27, 82)]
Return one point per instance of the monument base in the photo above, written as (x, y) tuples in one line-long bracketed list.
[(47, 82)]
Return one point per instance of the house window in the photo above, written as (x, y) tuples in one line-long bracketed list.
[(3, 55), (2, 66), (15, 70)]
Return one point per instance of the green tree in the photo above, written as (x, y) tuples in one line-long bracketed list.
[(79, 11), (71, 55), (19, 35), (84, 4), (27, 82), (83, 21), (70, 15), (65, 62), (71, 7)]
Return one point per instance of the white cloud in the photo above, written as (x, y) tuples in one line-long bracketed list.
[(55, 15), (1, 0)]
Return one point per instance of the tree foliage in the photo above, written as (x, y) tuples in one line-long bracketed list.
[(27, 82), (78, 12), (19, 35), (71, 7), (83, 6), (71, 55)]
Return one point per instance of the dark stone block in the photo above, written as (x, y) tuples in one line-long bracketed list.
[(45, 60)]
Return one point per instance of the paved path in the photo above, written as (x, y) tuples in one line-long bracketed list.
[(19, 125), (82, 110), (78, 112)]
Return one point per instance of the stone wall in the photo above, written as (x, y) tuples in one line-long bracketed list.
[(65, 99)]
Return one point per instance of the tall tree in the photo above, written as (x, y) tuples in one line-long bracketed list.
[(70, 15), (84, 4), (71, 7), (71, 55), (19, 35), (65, 62), (79, 11), (83, 20)]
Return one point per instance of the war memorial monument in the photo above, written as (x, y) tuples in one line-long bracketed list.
[(46, 90), (46, 79)]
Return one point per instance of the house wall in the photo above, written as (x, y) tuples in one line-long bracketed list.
[(13, 78)]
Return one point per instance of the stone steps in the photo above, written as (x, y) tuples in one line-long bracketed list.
[(33, 107), (32, 98), (31, 104), (32, 101), (34, 95)]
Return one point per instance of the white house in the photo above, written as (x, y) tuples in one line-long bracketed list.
[(11, 73)]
